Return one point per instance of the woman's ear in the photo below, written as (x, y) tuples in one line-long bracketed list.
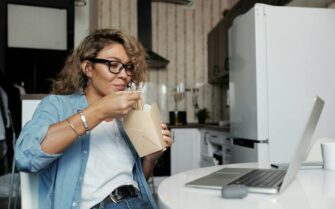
[(86, 67)]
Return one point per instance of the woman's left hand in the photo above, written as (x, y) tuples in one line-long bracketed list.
[(168, 141), (166, 135)]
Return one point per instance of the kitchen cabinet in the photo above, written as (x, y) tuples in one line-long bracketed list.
[(217, 42), (199, 147), (217, 38), (185, 151), (215, 148)]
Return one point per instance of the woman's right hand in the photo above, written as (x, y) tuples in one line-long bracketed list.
[(118, 104), (60, 135)]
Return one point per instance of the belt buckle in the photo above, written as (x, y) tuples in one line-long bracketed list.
[(114, 200)]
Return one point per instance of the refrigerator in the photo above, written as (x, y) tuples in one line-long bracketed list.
[(280, 59)]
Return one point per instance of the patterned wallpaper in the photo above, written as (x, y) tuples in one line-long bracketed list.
[(179, 34)]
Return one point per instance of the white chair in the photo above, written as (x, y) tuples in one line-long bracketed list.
[(315, 154), (29, 181), (29, 190)]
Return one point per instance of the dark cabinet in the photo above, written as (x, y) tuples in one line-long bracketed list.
[(218, 66), (217, 40)]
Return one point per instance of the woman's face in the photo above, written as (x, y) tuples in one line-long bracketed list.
[(101, 81)]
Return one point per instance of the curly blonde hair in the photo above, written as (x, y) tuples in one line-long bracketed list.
[(71, 78)]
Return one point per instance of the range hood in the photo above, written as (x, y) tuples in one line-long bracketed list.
[(181, 2), (144, 24)]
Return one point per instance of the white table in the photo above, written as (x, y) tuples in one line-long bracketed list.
[(311, 189)]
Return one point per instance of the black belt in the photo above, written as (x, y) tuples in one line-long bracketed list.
[(121, 193)]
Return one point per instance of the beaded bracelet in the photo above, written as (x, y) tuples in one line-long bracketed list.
[(73, 128), (83, 119)]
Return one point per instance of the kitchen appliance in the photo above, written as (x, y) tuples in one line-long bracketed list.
[(280, 59), (144, 25), (178, 2), (215, 148)]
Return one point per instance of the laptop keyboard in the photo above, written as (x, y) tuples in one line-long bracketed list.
[(261, 178)]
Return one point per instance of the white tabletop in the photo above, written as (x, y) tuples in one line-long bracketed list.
[(311, 189)]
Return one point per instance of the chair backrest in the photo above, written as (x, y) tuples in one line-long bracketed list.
[(29, 181), (29, 190), (315, 154)]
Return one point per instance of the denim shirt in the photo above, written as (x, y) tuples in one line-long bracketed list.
[(61, 175)]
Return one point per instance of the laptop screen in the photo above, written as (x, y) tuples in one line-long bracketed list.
[(304, 143)]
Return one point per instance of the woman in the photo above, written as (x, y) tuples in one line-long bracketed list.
[(76, 141)]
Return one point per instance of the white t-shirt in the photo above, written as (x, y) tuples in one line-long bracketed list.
[(109, 164)]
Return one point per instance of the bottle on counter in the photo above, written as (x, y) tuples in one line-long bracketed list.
[(176, 119)]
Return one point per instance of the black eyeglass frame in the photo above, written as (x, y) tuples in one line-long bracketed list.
[(109, 63)]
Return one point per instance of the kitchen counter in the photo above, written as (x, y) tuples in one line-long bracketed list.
[(212, 126)]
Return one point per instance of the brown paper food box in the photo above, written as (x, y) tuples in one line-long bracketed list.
[(144, 129)]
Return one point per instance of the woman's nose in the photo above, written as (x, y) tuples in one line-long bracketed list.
[(122, 73)]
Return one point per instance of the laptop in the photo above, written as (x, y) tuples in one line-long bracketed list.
[(268, 181)]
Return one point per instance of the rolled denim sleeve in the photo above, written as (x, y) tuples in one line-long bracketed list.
[(29, 156)]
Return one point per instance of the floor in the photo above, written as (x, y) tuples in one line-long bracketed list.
[(4, 188)]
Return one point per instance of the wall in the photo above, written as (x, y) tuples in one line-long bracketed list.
[(180, 35), (81, 24)]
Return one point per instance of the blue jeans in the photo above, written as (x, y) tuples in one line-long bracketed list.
[(128, 203)]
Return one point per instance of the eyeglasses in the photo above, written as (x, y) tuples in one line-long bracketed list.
[(114, 66)]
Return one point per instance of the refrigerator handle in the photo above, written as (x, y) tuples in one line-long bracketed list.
[(247, 142)]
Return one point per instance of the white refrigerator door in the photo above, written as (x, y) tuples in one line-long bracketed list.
[(300, 65), (242, 78), (248, 81)]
